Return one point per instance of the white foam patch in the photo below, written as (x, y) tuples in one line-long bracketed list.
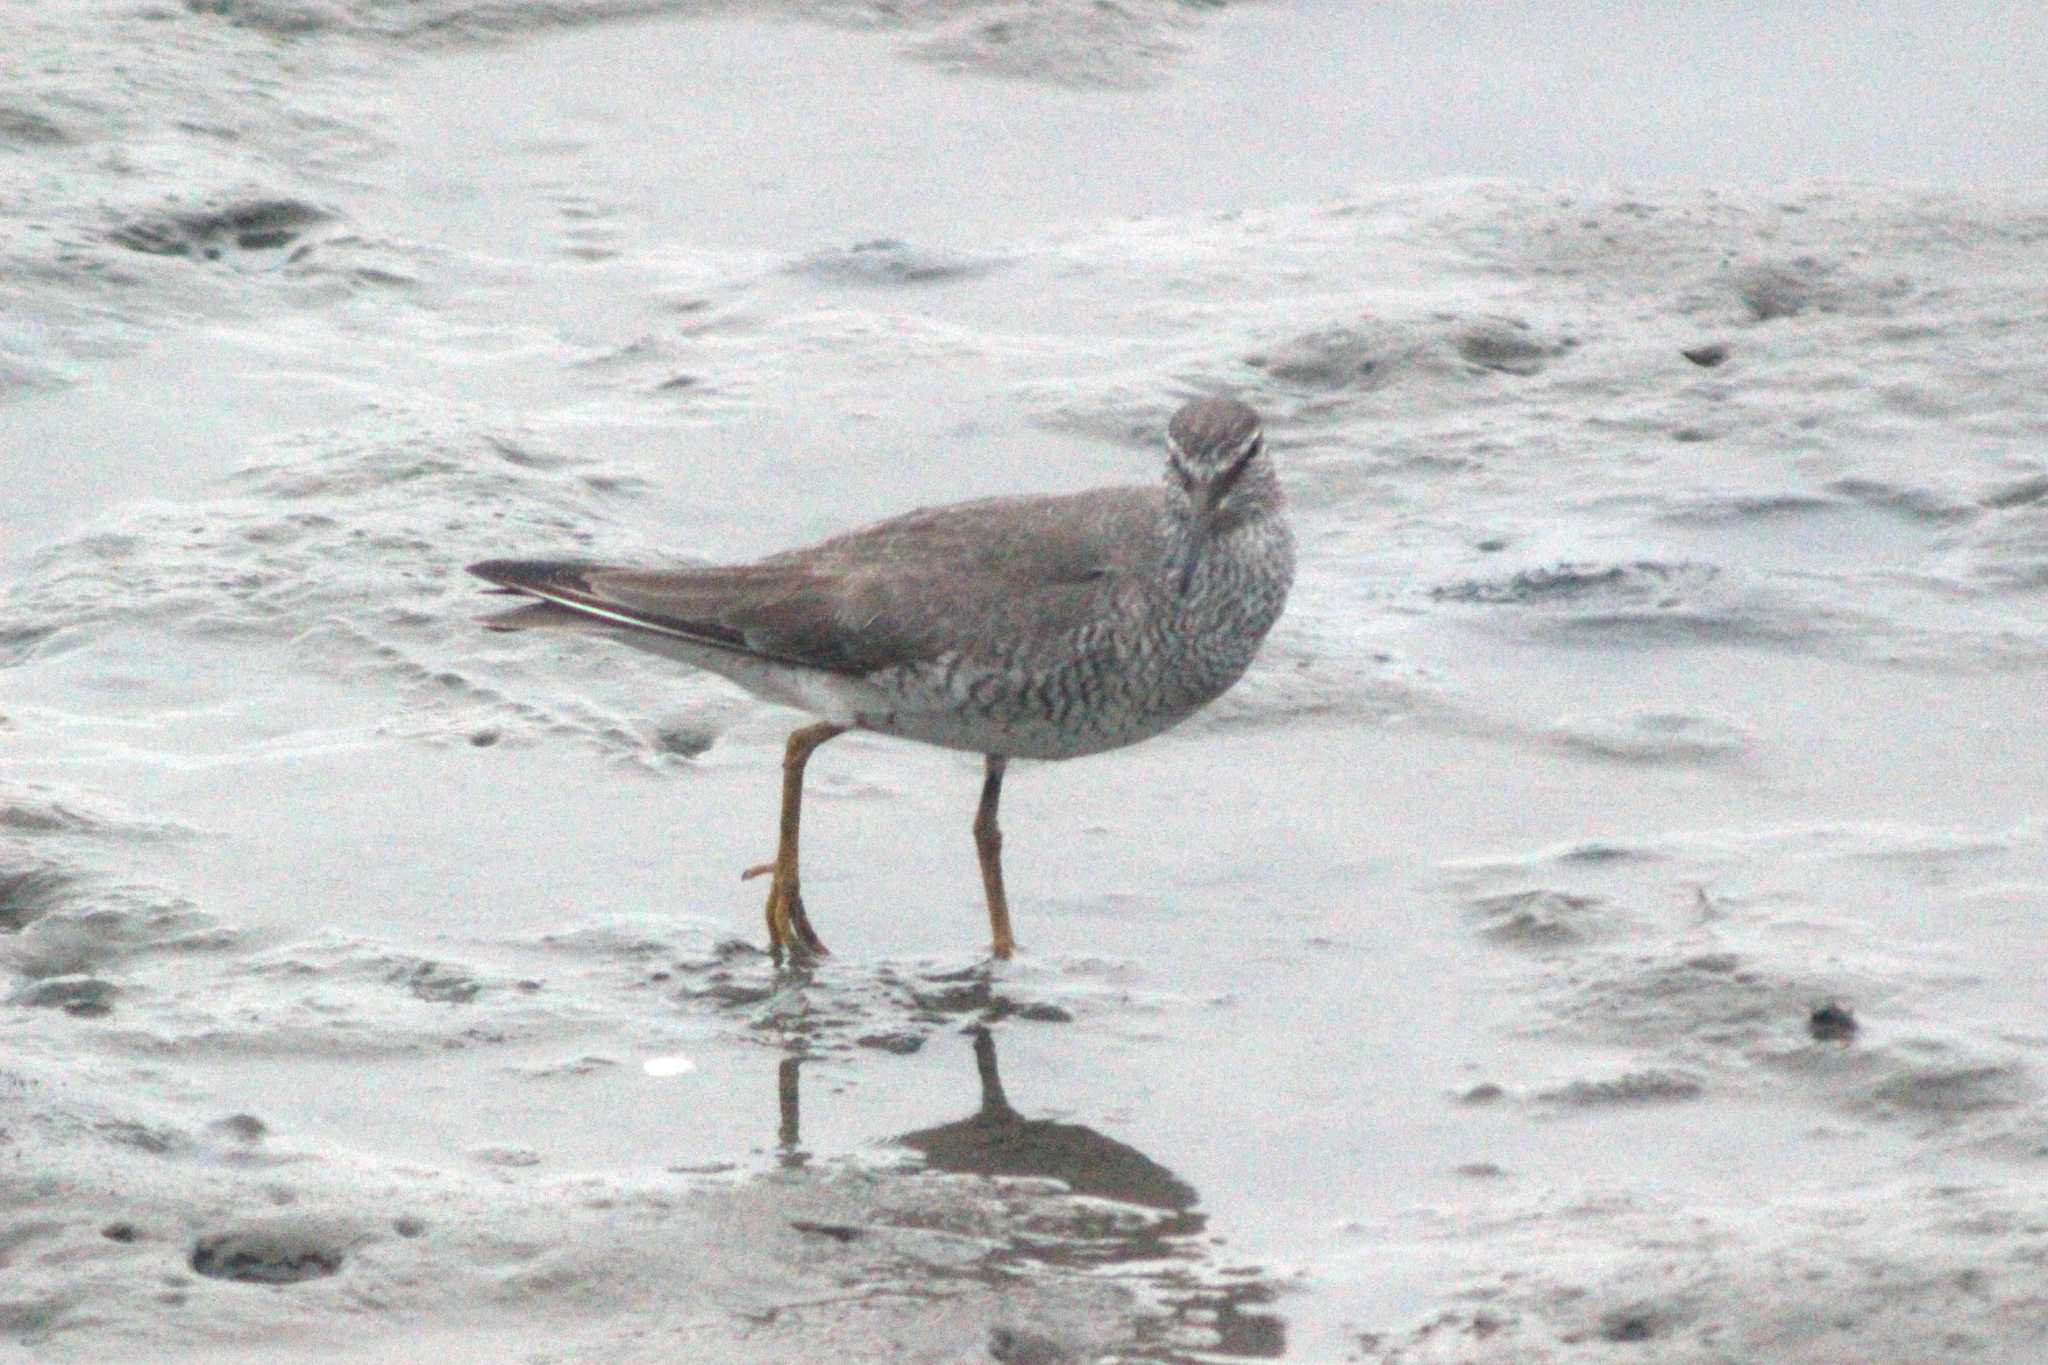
[(663, 1067)]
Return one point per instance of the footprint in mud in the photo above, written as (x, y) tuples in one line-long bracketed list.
[(245, 1130), (248, 225), (886, 261), (1646, 582), (1543, 920), (1508, 345), (2018, 493), (59, 925), (1631, 1089), (27, 893), (1653, 737), (18, 642), (21, 127), (592, 231), (1363, 358), (1371, 354), (1773, 289), (64, 926), (84, 997), (286, 1254), (1942, 1085), (1778, 290), (437, 983), (1637, 1322)]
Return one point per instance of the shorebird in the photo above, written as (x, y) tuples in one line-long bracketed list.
[(1041, 627)]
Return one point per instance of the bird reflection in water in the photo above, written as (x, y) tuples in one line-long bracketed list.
[(1156, 1225)]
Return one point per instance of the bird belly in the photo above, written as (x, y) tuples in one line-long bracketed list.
[(1012, 737), (1021, 712)]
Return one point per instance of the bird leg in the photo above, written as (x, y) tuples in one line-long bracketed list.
[(788, 926), (988, 844)]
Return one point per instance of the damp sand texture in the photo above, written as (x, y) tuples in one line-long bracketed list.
[(1605, 923)]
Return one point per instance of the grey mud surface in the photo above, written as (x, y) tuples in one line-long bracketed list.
[(1606, 926)]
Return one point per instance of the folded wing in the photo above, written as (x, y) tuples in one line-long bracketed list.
[(972, 579)]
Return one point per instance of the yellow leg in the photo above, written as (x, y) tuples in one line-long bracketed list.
[(988, 844), (788, 926)]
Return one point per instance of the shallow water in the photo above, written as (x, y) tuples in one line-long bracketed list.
[(1661, 671)]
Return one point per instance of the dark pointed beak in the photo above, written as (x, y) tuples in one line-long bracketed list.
[(1190, 557)]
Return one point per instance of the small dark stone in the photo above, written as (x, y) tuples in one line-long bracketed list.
[(902, 1044), (1707, 357), (120, 1232), (405, 1225), (1833, 1022)]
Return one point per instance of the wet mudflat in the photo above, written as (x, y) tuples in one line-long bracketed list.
[(1607, 920)]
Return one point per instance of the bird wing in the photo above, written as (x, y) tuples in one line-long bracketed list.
[(971, 579)]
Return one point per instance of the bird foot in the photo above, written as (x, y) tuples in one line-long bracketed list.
[(788, 926)]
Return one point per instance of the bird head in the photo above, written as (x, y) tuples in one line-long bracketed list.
[(1215, 456), (1211, 444)]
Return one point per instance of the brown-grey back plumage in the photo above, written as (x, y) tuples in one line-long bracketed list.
[(1043, 626), (962, 578)]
